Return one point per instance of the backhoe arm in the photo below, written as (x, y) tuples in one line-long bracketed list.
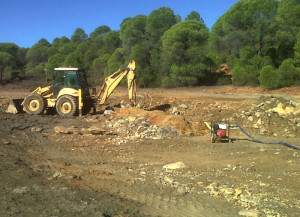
[(113, 81)]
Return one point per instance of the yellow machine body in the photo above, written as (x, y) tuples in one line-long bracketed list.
[(114, 80), (68, 99)]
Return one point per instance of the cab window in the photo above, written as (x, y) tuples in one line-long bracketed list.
[(71, 79)]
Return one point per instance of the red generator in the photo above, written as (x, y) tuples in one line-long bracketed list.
[(220, 131)]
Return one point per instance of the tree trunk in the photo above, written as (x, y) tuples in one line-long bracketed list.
[(1, 74)]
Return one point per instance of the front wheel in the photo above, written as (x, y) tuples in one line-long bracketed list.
[(34, 104), (66, 106)]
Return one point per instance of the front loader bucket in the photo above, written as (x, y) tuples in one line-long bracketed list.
[(15, 106)]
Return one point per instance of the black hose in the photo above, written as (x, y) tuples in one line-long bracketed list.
[(272, 143)]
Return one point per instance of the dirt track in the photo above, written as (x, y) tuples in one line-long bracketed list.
[(44, 173)]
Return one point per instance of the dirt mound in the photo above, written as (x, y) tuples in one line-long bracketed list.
[(158, 118), (273, 116)]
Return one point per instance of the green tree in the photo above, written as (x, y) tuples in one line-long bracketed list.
[(83, 47), (111, 41), (239, 76), (99, 31), (288, 19), (158, 22), (248, 22), (141, 55), (75, 59), (287, 73), (100, 63), (183, 52), (55, 61), (252, 65), (79, 36), (21, 57), (178, 18), (19, 54), (5, 60), (268, 78), (194, 15), (9, 48), (90, 55), (67, 48), (132, 32), (115, 62), (38, 53), (297, 51), (58, 42)]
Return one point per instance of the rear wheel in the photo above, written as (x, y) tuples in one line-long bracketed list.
[(66, 106), (34, 104)]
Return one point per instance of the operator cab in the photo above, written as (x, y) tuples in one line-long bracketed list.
[(74, 78)]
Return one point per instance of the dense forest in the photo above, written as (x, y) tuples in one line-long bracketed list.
[(257, 40)]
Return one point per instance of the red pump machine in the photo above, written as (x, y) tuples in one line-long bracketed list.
[(220, 131)]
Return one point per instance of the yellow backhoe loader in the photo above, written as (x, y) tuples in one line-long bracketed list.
[(70, 94)]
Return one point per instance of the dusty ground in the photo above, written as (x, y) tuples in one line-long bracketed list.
[(113, 165)]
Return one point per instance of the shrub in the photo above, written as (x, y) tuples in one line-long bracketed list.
[(239, 76), (37, 71), (297, 79), (166, 82), (287, 73), (268, 78)]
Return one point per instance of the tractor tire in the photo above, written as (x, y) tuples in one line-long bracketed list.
[(66, 106), (34, 104)]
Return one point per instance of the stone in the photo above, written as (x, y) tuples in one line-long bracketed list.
[(6, 142), (247, 113), (175, 111), (96, 131), (36, 129), (56, 175), (108, 112), (174, 166), (250, 118), (229, 191), (259, 122), (282, 111), (92, 119), (181, 190), (250, 213), (213, 185), (213, 189), (20, 190), (263, 131), (257, 114), (238, 192), (11, 109), (61, 129), (260, 105), (131, 118), (183, 106), (169, 179)]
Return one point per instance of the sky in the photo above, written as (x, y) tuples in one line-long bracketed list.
[(25, 22)]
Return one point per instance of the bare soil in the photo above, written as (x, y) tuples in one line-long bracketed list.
[(109, 172)]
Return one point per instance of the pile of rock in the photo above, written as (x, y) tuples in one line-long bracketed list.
[(139, 127), (271, 116)]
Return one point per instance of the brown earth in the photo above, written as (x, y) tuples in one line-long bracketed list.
[(115, 165)]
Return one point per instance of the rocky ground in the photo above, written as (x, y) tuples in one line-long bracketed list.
[(155, 159)]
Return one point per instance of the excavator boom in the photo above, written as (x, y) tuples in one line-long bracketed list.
[(113, 81)]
